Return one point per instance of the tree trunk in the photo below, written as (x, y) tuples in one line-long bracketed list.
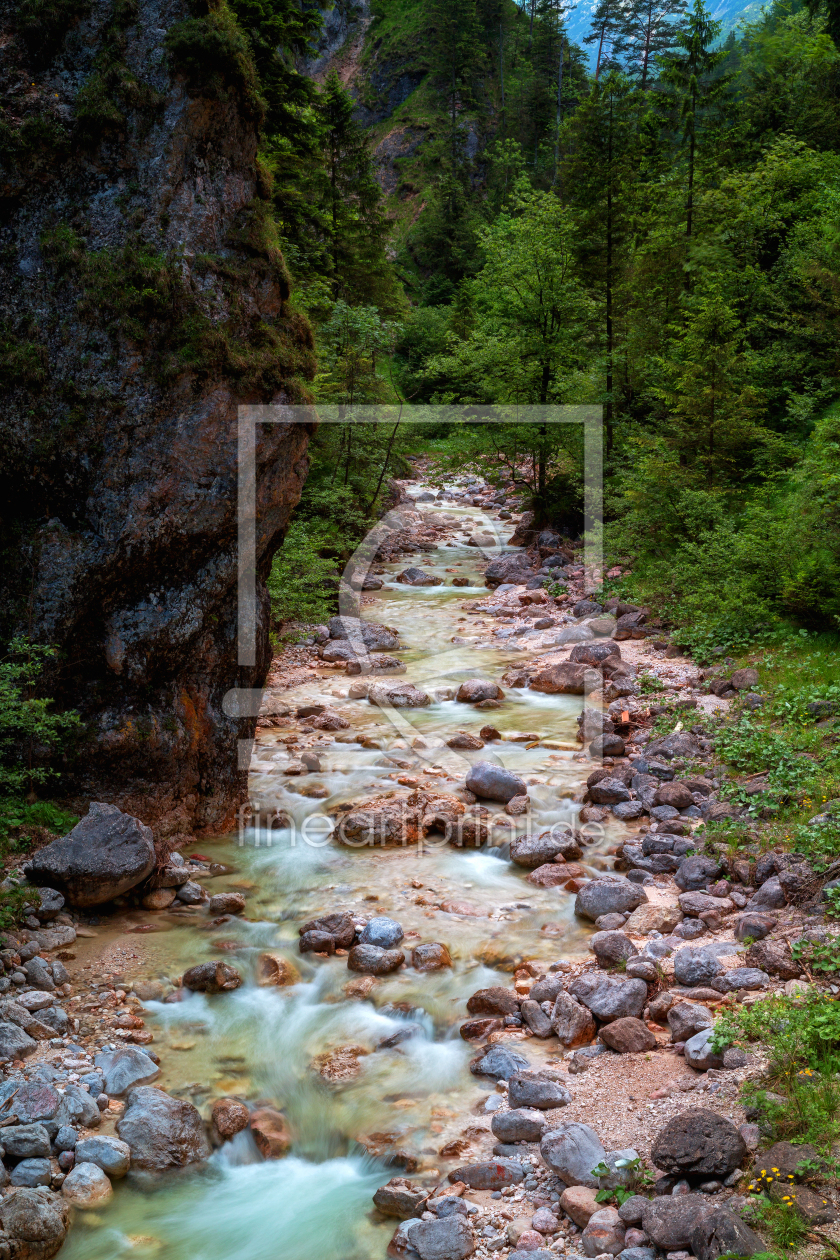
[(559, 115), (609, 414)]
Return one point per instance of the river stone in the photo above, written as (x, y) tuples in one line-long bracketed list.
[(611, 948), (628, 1036), (35, 1102), (696, 903), (107, 853), (571, 1151), (494, 783), (527, 1090), (773, 957), (161, 1131), (39, 975), (604, 1233), (476, 689), (398, 696), (609, 791), (339, 926), (572, 1022), (86, 1186), (687, 1018), (547, 988), (125, 1068), (695, 966), (632, 1210), (669, 1220), (741, 978), (699, 1143), (36, 1221), (609, 999), (579, 1203), (532, 851), (226, 903), (500, 1063), (230, 1116), (696, 872), (447, 1239), (401, 1198), (372, 960), (77, 1108), (490, 1175), (418, 577), (211, 977), (26, 1141), (611, 895), (430, 957), (381, 931), (108, 1153), (754, 925), (719, 1232), (493, 1001), (14, 1043), (647, 918), (770, 896), (699, 1053), (524, 1124), (375, 637), (565, 678), (31, 1172)]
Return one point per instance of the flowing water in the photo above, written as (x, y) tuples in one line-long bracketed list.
[(259, 1043)]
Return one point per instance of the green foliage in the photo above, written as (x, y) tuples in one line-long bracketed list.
[(24, 816), (822, 957), (43, 24), (214, 56), (29, 730), (302, 583), (784, 1224), (640, 1181), (356, 340), (12, 901)]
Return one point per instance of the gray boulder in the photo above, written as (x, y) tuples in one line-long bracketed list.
[(107, 853), (687, 1018), (494, 783), (547, 987), (611, 948), (215, 976), (699, 1053), (609, 792), (161, 1131), (500, 1063), (770, 896), (78, 1109), (492, 1174), (125, 1068), (418, 577), (524, 1124), (14, 1043), (375, 637), (372, 960), (39, 975), (741, 978), (571, 1151), (695, 966), (26, 1141), (381, 931), (448, 1239), (108, 1153), (531, 1089), (532, 851), (696, 872), (35, 1222), (608, 998), (698, 1143), (610, 895), (56, 1018), (719, 1232), (669, 1220), (31, 1172)]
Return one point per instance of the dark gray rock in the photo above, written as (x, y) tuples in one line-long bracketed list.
[(696, 872), (56, 1018), (39, 975), (719, 1232), (547, 987), (524, 1124), (107, 853), (418, 577), (611, 948), (687, 1018), (108, 1153), (610, 895), (125, 1068), (571, 1151), (494, 783), (77, 1108), (26, 1141), (669, 1220), (374, 637), (448, 1239), (66, 1138), (699, 1053), (532, 851), (632, 1210), (51, 903), (14, 1043), (770, 896), (215, 976), (695, 966), (535, 1018), (381, 931), (609, 998), (500, 1063), (609, 791), (31, 1172), (741, 978), (530, 1089), (35, 1222), (700, 1144), (161, 1131), (372, 960)]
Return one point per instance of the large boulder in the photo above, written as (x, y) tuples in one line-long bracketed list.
[(609, 791), (401, 1198), (700, 1053), (572, 1022), (612, 948), (669, 1220), (696, 966), (14, 1043), (212, 977), (372, 960), (628, 1036), (531, 1089), (492, 1174), (375, 637), (35, 1222), (26, 1141), (609, 999), (494, 783), (565, 678), (161, 1131), (532, 850), (719, 1232), (448, 1239), (496, 1000), (86, 1186), (499, 1062), (398, 696), (418, 577), (108, 1153), (476, 689), (126, 1068), (612, 895), (696, 872), (523, 1124), (107, 853), (687, 1018), (774, 958), (699, 1143), (571, 1151)]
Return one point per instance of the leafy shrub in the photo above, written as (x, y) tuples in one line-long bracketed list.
[(302, 584), (29, 730)]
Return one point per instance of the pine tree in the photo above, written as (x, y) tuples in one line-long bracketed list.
[(605, 31), (646, 30), (691, 83)]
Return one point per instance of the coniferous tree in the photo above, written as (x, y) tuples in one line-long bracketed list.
[(646, 30), (606, 31)]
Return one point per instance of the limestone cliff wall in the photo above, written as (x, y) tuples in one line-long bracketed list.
[(142, 298)]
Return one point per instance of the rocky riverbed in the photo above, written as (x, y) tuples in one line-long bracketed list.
[(456, 975)]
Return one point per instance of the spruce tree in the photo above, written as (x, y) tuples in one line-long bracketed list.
[(646, 30)]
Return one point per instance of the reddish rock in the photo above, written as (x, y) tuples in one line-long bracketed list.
[(432, 957), (270, 1132), (230, 1116)]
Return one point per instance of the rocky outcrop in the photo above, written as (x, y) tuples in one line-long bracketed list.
[(143, 300)]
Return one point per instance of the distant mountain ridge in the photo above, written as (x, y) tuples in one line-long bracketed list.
[(729, 12)]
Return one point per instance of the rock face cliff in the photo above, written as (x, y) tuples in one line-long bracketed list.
[(142, 299)]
